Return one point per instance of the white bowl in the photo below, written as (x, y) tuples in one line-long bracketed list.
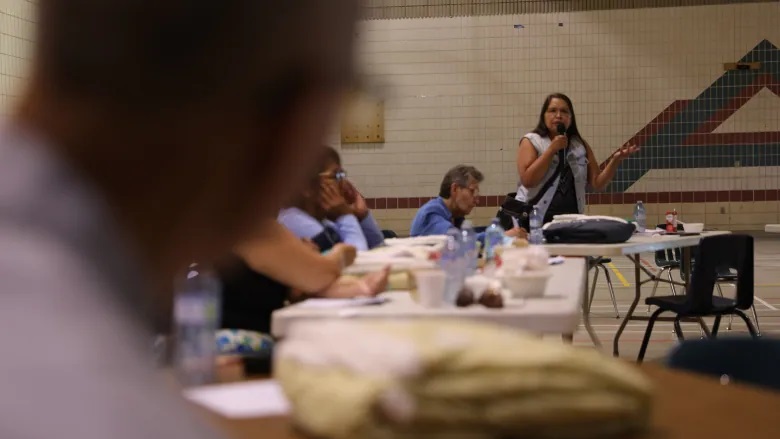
[(693, 227), (527, 284)]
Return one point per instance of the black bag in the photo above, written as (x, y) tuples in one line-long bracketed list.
[(594, 231), (520, 210)]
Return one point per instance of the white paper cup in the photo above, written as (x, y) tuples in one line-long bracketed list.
[(430, 287)]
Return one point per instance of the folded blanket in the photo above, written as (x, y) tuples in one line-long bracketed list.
[(445, 379)]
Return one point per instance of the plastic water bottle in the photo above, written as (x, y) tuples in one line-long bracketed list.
[(469, 242), (535, 223), (197, 318), (451, 262), (494, 237), (640, 217)]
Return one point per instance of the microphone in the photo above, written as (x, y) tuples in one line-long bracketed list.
[(561, 128)]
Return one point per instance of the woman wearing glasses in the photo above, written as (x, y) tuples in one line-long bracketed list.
[(332, 210), (555, 163)]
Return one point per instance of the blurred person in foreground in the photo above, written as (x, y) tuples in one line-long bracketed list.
[(151, 134)]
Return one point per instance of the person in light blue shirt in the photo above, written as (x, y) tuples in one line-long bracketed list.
[(332, 210), (458, 196)]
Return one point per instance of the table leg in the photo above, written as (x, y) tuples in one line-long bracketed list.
[(586, 308), (637, 295)]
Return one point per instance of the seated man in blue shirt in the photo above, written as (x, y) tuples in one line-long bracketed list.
[(458, 196), (332, 210)]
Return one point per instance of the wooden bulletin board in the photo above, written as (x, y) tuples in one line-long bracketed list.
[(363, 119)]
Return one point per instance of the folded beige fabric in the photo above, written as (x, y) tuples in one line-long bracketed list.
[(447, 379)]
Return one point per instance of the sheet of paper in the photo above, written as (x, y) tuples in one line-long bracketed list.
[(342, 303), (253, 399)]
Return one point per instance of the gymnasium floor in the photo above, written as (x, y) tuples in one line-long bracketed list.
[(767, 292)]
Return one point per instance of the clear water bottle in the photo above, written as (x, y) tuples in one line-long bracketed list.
[(452, 263), (494, 237), (640, 217), (197, 317), (536, 222), (470, 251)]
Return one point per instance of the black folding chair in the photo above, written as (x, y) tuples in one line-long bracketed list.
[(715, 254)]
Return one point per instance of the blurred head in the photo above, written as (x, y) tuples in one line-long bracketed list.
[(460, 189), (327, 171), (557, 108), (196, 120), (330, 167)]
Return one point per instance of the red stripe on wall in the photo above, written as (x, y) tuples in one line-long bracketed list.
[(733, 138), (617, 198)]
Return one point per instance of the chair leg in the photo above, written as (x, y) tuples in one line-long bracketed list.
[(611, 290), (655, 285), (751, 328), (671, 280), (648, 332), (755, 319), (715, 326), (731, 316), (678, 329), (593, 285)]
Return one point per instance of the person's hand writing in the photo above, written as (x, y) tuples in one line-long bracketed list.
[(624, 152), (517, 232), (332, 201), (376, 282), (558, 143)]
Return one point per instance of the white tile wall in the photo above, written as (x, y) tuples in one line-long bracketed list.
[(17, 19), (466, 89)]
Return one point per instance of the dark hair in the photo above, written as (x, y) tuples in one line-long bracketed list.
[(541, 127), (460, 175), (327, 156), (330, 155)]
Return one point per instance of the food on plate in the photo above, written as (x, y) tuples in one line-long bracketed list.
[(465, 297), (492, 298)]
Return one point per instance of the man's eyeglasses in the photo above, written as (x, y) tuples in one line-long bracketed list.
[(474, 191), (338, 175)]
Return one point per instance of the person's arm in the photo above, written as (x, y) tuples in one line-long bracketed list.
[(283, 257), (300, 223), (350, 231), (600, 178), (371, 231), (531, 166)]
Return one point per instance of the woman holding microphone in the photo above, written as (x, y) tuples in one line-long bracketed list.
[(555, 163)]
